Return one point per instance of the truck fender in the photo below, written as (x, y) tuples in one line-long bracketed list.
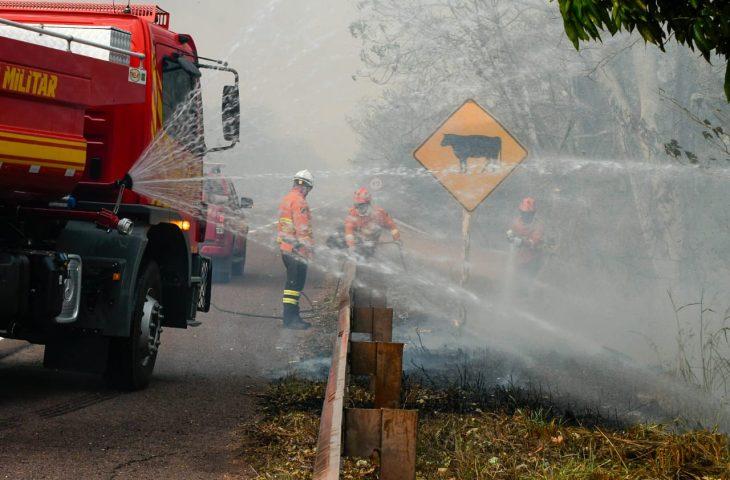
[(169, 248), (106, 304)]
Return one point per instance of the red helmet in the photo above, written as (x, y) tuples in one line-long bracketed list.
[(363, 196), (527, 205)]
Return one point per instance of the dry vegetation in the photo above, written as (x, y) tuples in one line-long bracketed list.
[(516, 441)]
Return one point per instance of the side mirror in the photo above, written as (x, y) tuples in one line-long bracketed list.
[(230, 106), (246, 202), (231, 109)]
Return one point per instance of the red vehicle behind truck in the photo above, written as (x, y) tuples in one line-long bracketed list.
[(227, 231), (88, 267)]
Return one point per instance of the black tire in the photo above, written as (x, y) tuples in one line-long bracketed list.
[(131, 360), (238, 267), (222, 269)]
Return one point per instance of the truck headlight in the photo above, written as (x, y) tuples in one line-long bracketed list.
[(71, 291)]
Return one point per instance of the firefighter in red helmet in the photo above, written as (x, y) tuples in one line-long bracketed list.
[(365, 223), (526, 234)]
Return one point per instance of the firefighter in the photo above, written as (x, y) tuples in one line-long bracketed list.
[(526, 234), (295, 242), (365, 223)]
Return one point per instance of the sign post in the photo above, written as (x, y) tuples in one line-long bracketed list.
[(470, 154), (466, 236)]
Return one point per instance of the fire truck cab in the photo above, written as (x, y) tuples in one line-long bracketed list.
[(88, 267)]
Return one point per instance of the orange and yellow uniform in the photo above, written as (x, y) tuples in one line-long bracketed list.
[(528, 253), (295, 225), (363, 229)]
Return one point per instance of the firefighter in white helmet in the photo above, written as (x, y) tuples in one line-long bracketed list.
[(297, 246)]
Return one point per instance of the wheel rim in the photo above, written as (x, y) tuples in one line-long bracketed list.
[(150, 329)]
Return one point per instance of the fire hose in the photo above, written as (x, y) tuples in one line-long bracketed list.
[(313, 311)]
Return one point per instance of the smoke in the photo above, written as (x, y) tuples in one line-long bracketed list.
[(632, 234)]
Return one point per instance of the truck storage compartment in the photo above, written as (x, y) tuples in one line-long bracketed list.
[(35, 287), (44, 96), (47, 279), (14, 288)]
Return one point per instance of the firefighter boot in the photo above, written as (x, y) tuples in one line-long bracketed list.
[(292, 320)]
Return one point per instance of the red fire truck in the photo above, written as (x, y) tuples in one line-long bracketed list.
[(88, 267)]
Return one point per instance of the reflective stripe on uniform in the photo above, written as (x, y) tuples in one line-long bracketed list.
[(290, 301), (292, 293)]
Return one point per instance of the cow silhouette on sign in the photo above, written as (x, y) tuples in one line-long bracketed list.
[(475, 146)]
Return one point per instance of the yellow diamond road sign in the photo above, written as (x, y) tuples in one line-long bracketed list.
[(470, 154)]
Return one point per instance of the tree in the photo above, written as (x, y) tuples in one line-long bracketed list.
[(569, 109), (699, 24)]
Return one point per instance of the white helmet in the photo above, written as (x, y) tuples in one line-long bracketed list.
[(304, 177)]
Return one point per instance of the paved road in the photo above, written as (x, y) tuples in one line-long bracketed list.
[(56, 425)]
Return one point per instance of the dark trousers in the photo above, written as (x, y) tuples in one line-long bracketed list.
[(296, 277)]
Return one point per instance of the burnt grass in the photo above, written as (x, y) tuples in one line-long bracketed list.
[(431, 396), (602, 389), (471, 429), (485, 414)]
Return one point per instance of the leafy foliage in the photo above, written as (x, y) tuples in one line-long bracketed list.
[(716, 138), (703, 25)]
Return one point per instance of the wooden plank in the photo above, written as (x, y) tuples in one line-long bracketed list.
[(345, 285), (382, 324), (369, 287), (363, 358), (384, 362), (362, 432), (398, 445), (329, 443), (362, 320), (387, 432), (374, 321), (388, 375), (361, 296)]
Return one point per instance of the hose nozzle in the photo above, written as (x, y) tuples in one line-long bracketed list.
[(125, 182)]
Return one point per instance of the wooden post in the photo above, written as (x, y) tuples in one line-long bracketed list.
[(388, 434), (374, 321), (383, 361)]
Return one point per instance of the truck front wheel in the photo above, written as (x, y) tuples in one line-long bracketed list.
[(132, 360)]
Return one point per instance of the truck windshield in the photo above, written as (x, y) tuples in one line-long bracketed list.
[(181, 102)]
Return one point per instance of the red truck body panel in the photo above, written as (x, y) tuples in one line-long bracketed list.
[(96, 110), (45, 96)]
